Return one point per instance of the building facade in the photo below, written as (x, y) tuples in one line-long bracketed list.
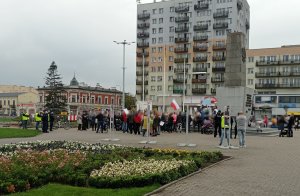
[(181, 47), (275, 74), (17, 99), (81, 97)]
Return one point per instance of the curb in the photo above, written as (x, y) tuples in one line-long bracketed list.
[(160, 189)]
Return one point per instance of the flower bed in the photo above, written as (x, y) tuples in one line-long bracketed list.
[(32, 164)]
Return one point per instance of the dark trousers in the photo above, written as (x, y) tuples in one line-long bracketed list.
[(79, 126), (290, 132), (100, 125), (137, 128), (217, 130)]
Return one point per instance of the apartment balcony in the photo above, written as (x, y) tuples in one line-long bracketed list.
[(217, 80), (200, 38), (221, 25), (140, 54), (239, 5), (140, 73), (178, 91), (200, 59), (219, 58), (289, 62), (142, 35), (267, 63), (143, 25), (143, 45), (140, 64), (219, 47), (266, 74), (181, 9), (182, 19), (201, 6), (218, 69), (181, 60), (180, 70), (200, 69), (140, 92), (179, 81), (140, 82), (181, 29), (202, 27), (223, 14), (213, 91), (199, 91), (143, 16), (181, 50), (181, 40), (278, 85), (200, 48), (199, 81)]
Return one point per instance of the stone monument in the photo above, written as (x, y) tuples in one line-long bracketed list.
[(235, 94)]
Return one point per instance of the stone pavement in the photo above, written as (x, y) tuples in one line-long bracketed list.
[(268, 166)]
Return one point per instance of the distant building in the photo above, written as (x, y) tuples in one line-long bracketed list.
[(182, 47), (17, 99), (82, 97), (275, 74)]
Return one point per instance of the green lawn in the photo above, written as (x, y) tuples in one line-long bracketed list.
[(64, 190), (7, 120), (17, 133)]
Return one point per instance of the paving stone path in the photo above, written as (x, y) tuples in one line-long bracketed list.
[(268, 166)]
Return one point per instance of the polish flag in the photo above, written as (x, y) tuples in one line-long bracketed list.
[(174, 105)]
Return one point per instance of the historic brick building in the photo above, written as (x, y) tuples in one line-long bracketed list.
[(82, 97)]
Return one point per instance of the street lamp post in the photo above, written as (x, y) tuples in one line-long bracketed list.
[(123, 43)]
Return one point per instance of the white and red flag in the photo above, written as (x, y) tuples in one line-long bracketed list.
[(174, 105)]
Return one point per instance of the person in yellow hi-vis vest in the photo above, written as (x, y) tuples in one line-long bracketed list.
[(225, 120), (25, 118), (38, 120)]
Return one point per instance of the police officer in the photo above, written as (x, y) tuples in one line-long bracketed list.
[(45, 122), (25, 118)]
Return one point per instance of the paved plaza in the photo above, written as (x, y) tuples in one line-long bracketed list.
[(268, 166)]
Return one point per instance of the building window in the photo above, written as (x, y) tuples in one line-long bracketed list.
[(170, 78), (159, 59), (8, 102), (153, 69), (171, 39), (251, 59), (171, 58), (153, 40), (160, 30), (154, 21), (161, 10), (4, 102), (159, 88), (161, 20), (152, 78), (154, 11), (159, 69), (171, 29), (170, 88), (153, 50), (171, 49), (99, 100), (250, 81), (83, 99), (250, 70), (160, 49), (153, 88), (172, 9), (153, 59), (0, 103), (160, 40), (159, 78), (106, 100), (41, 99), (171, 19), (14, 103), (112, 101), (73, 98), (153, 31), (92, 99)]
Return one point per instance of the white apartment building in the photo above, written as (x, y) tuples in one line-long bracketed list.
[(181, 47)]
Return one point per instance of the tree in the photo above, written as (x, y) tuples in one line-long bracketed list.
[(56, 100), (130, 101)]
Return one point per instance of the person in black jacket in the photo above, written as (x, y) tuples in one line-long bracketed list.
[(45, 122), (51, 119), (217, 121), (290, 125)]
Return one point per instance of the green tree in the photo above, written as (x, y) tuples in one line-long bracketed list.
[(130, 101), (56, 100)]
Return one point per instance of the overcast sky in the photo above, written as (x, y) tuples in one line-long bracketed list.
[(78, 35)]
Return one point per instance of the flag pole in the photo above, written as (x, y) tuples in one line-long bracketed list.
[(164, 82)]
